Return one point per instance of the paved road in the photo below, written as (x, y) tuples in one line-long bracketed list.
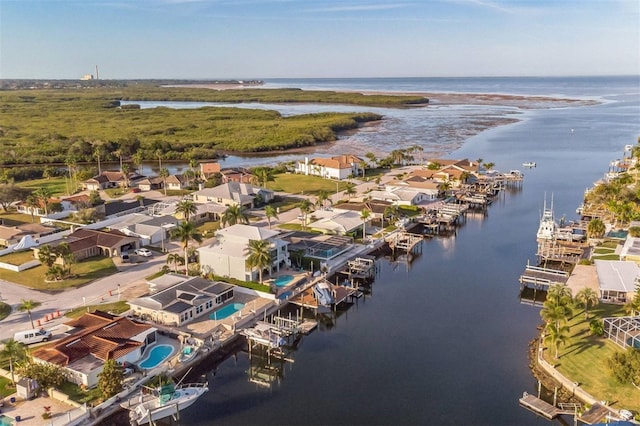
[(125, 281)]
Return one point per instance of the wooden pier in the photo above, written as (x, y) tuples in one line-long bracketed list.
[(542, 408), (404, 241), (557, 251), (541, 278)]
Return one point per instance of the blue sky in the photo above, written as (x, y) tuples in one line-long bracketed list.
[(317, 38)]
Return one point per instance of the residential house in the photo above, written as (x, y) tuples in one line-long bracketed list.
[(617, 279), (232, 194), (237, 174), (307, 245), (183, 301), (227, 254), (207, 170), (85, 243), (338, 167), (96, 338), (407, 193), (73, 203), (337, 222), (111, 179), (631, 249), (117, 208), (151, 184), (150, 230), (176, 182), (13, 234)]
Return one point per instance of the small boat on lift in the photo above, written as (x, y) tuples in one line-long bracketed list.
[(167, 401), (529, 164)]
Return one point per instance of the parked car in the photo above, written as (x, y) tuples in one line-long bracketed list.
[(32, 336), (124, 256), (143, 252)]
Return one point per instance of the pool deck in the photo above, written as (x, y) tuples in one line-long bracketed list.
[(205, 326)]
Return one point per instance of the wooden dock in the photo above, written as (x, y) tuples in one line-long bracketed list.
[(541, 278), (595, 414), (404, 241), (540, 407)]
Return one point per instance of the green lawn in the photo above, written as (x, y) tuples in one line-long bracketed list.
[(90, 396), (6, 388), (606, 257), (604, 250), (114, 307), (18, 258), (14, 219), (583, 360), (297, 184), (57, 185), (85, 271)]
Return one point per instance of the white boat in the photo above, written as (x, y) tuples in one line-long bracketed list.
[(548, 227), (529, 164), (188, 353), (264, 334), (169, 400)]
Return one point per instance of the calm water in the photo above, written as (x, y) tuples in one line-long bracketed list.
[(444, 340)]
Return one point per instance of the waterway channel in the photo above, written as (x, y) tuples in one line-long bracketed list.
[(444, 339)]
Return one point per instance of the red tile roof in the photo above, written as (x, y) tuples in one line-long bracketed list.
[(101, 335)]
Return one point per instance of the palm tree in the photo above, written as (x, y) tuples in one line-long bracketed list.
[(43, 194), (46, 256), (556, 336), (364, 215), (176, 259), (560, 293), (489, 166), (32, 204), (363, 166), (186, 232), (587, 297), (270, 212), (596, 228), (350, 190), (97, 152), (15, 351), (136, 159), (186, 208), (554, 313), (164, 174), (234, 215), (264, 174), (28, 306), (118, 153), (322, 197), (259, 255), (305, 208)]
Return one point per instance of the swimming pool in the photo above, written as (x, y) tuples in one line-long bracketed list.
[(283, 280), (156, 356), (226, 311), (634, 341), (5, 421), (619, 234)]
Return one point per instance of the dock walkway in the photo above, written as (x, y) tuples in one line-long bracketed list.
[(543, 408)]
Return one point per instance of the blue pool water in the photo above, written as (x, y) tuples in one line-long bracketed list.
[(226, 311), (283, 280), (617, 234), (5, 421), (156, 356), (634, 342)]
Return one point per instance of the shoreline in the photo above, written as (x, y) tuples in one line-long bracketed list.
[(443, 98)]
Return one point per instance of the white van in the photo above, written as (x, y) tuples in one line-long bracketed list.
[(36, 335)]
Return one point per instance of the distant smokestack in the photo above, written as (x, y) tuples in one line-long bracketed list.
[(97, 76)]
